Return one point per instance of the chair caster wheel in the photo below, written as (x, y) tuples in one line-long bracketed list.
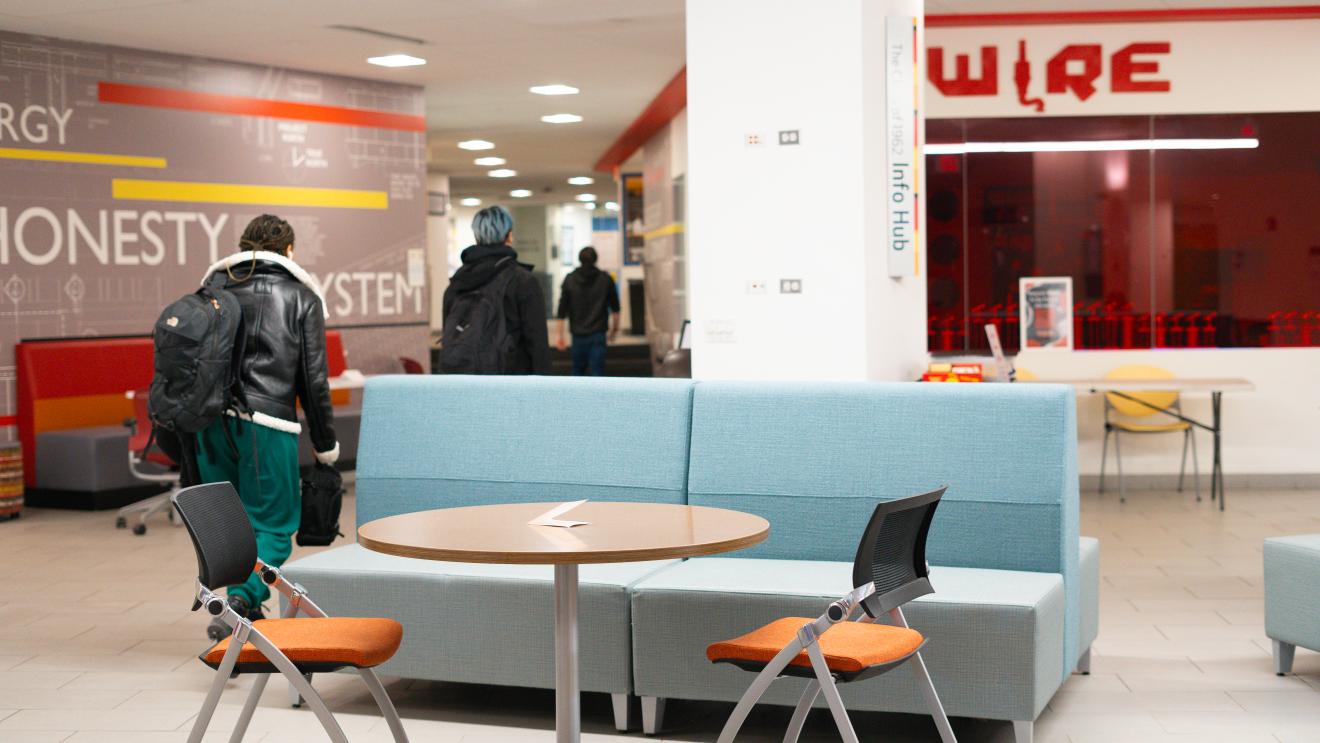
[(140, 529), (121, 523)]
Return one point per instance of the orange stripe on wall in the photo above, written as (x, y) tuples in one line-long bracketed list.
[(59, 413), (190, 100)]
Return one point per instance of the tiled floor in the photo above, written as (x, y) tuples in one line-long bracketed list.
[(97, 644)]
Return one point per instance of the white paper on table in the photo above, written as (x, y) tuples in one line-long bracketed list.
[(549, 517)]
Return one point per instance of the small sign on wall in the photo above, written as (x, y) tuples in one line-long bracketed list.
[(1046, 306), (901, 157)]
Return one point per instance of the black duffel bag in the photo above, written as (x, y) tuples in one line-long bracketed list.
[(322, 499)]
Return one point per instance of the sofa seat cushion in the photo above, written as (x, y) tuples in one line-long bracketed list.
[(995, 637), (476, 623)]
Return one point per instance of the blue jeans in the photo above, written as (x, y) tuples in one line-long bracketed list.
[(589, 354)]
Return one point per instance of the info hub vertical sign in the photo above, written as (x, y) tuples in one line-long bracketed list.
[(902, 140)]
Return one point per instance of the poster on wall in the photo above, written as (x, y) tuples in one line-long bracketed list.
[(633, 209), (124, 174), (1046, 306)]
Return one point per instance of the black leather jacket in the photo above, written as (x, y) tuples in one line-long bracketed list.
[(284, 359)]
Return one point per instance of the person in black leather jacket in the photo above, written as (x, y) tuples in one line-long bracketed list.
[(283, 364)]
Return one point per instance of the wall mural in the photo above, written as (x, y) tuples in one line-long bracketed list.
[(124, 174)]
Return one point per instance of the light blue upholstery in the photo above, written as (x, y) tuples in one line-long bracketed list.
[(1292, 583), (1088, 568), (995, 636), (813, 459), (440, 441), (481, 624)]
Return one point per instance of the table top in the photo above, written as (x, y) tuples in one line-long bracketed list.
[(1184, 384), (615, 532)]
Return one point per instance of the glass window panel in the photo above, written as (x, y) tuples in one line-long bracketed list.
[(1238, 232)]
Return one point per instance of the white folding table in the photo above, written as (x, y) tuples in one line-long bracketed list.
[(1216, 386)]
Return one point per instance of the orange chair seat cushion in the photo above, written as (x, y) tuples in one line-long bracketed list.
[(352, 641), (848, 647)]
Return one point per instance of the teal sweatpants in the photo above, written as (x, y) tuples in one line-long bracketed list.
[(264, 470)]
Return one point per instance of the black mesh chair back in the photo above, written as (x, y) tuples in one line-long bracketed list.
[(892, 553), (221, 533)]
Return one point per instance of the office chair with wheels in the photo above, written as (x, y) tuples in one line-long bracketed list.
[(141, 458), (1136, 405), (294, 646), (889, 571)]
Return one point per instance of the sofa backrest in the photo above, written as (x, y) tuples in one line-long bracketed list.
[(431, 441), (814, 458)]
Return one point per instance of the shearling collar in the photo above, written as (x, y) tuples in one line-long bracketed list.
[(297, 271)]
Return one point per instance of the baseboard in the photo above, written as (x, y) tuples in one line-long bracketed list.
[(1271, 481), (79, 501)]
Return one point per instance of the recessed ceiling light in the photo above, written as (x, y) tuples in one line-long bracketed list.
[(612, 206), (397, 60), (490, 161), (502, 173), (590, 205), (561, 119), (581, 180), (555, 89), (520, 193), (586, 197), (476, 144), (470, 201)]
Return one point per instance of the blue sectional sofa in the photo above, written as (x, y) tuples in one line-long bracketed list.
[(1016, 604)]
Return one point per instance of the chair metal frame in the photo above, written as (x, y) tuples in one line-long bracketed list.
[(150, 506), (1189, 438), (808, 638), (245, 632)]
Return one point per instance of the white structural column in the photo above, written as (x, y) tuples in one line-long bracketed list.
[(802, 180)]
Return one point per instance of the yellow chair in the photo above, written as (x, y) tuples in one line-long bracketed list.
[(1130, 407)]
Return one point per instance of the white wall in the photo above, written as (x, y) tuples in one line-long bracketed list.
[(757, 67), (1273, 430)]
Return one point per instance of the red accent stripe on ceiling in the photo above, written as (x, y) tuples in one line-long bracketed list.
[(668, 104), (1267, 13), (189, 100)]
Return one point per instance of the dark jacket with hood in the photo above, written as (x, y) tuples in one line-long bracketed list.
[(587, 299), (284, 360), (524, 303)]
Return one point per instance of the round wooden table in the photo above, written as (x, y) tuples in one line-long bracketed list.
[(614, 532)]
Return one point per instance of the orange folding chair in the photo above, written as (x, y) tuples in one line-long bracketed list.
[(889, 571), (294, 646)]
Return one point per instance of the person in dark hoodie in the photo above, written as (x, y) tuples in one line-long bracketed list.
[(491, 276), (589, 300), (283, 366)]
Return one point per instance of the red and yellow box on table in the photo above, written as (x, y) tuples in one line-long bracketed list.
[(953, 373)]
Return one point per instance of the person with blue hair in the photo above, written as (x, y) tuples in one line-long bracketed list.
[(494, 309)]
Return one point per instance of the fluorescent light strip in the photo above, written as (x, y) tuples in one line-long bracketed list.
[(555, 89), (476, 144), (396, 60), (561, 119), (1099, 145), (489, 161)]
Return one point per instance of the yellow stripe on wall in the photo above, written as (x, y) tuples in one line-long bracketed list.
[(669, 229), (237, 193), (86, 158)]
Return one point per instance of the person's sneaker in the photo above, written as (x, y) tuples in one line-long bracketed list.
[(218, 630)]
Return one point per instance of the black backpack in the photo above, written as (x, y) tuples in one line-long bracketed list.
[(199, 345), (322, 499), (476, 337)]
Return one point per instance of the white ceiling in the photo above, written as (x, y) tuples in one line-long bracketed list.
[(482, 56)]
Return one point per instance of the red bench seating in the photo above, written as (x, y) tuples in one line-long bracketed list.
[(77, 383)]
